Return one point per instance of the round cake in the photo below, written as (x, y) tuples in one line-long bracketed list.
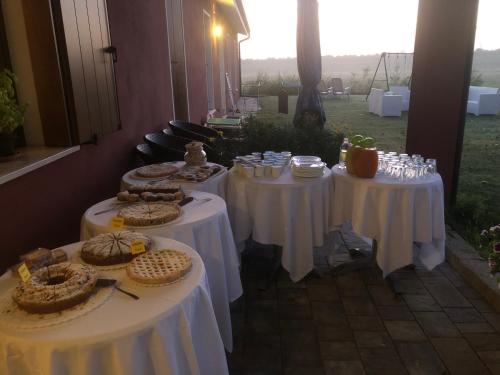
[(145, 214), (55, 288), (112, 248), (156, 170), (159, 266)]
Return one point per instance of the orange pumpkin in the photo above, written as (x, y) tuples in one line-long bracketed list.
[(352, 155), (366, 163)]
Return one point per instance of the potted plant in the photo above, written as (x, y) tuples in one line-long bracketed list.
[(362, 157), (11, 113)]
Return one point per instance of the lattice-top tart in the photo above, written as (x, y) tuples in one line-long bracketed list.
[(150, 213), (156, 170), (159, 266), (112, 248)]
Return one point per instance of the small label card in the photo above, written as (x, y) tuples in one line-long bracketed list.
[(137, 247), (117, 222), (24, 272)]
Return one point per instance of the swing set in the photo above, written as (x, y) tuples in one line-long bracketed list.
[(385, 60)]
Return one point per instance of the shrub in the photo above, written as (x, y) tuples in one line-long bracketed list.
[(259, 136), (469, 216), (360, 85), (269, 85)]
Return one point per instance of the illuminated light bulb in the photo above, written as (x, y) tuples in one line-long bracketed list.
[(217, 30)]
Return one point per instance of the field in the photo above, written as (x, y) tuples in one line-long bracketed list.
[(479, 185)]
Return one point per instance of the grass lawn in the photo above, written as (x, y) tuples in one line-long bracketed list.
[(480, 167)]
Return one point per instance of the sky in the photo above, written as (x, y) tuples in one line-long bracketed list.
[(350, 27)]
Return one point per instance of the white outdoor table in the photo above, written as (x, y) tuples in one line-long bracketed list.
[(406, 218), (215, 184), (170, 330), (292, 212), (205, 227)]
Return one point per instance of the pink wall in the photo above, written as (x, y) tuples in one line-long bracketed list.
[(44, 207)]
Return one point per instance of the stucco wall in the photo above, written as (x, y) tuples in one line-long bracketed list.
[(44, 207)]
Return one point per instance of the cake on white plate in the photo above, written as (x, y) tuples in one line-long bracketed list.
[(156, 170), (112, 248), (55, 288), (150, 213)]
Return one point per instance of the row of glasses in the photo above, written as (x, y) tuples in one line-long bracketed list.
[(404, 166)]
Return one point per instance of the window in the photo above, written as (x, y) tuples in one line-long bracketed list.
[(87, 59), (177, 59), (60, 51)]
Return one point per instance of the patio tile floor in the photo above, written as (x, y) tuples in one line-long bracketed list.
[(353, 324)]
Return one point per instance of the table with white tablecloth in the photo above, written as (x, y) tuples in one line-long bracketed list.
[(203, 225), (215, 184), (170, 330), (288, 211), (405, 217)]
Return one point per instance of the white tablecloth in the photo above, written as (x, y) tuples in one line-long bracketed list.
[(203, 226), (215, 184), (170, 330), (287, 211), (405, 217)]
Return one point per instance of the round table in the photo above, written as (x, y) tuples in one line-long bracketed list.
[(215, 184), (205, 227), (406, 217), (169, 330), (288, 211)]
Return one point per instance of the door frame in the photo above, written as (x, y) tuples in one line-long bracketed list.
[(181, 3), (209, 63)]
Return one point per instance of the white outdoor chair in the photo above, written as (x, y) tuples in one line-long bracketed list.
[(336, 90), (384, 104), (405, 94), (483, 100)]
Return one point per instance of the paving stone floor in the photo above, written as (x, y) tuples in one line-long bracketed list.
[(354, 324)]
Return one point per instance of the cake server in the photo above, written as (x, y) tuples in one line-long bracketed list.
[(112, 282), (185, 201), (116, 206)]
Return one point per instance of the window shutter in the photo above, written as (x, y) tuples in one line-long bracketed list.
[(4, 49), (87, 66)]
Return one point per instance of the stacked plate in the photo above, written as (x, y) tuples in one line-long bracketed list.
[(307, 166)]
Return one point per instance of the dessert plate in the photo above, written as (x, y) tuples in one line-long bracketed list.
[(11, 316)]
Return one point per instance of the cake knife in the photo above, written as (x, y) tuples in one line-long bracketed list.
[(112, 282)]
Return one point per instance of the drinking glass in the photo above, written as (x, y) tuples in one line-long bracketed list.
[(380, 157), (431, 165)]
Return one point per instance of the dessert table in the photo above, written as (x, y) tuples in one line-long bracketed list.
[(215, 184), (406, 217), (288, 211), (203, 225), (170, 330)]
